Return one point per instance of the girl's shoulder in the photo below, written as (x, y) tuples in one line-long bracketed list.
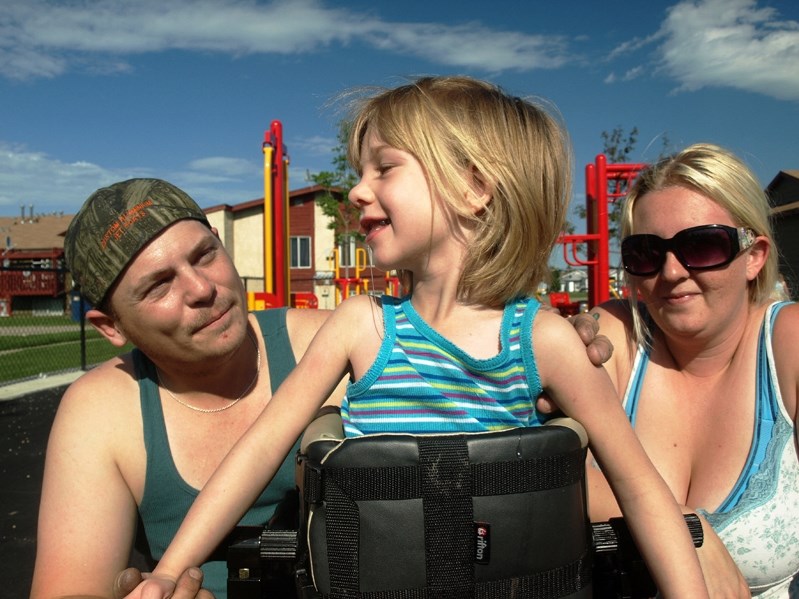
[(358, 312)]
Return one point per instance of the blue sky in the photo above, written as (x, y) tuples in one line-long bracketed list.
[(93, 92)]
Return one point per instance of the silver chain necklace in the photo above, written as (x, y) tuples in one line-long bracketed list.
[(232, 403)]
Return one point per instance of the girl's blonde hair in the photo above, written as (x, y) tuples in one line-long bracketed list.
[(720, 176), (466, 132)]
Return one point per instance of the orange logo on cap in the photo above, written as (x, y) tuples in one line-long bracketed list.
[(125, 221)]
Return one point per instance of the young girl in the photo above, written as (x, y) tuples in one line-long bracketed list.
[(463, 189)]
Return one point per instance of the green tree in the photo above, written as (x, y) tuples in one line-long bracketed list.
[(554, 279), (343, 216), (616, 147)]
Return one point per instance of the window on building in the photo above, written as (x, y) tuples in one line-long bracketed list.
[(300, 252)]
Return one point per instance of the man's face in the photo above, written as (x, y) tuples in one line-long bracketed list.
[(181, 299)]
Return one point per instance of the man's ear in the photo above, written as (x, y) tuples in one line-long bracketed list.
[(107, 327), (756, 257)]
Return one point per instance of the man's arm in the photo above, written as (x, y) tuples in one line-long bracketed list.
[(87, 515)]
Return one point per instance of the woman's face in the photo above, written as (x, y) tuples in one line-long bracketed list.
[(682, 301)]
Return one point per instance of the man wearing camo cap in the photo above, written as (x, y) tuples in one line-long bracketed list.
[(139, 435)]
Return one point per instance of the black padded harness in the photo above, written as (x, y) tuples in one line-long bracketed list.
[(448, 481)]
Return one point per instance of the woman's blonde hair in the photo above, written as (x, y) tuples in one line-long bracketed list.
[(464, 131), (720, 176)]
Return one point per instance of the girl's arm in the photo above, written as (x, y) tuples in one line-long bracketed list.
[(586, 393), (254, 459)]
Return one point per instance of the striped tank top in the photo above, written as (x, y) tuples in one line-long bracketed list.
[(422, 383)]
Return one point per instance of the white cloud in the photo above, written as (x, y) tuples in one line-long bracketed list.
[(463, 46), (633, 45), (220, 166), (634, 73), (42, 38), (720, 43), (731, 43), (46, 183), (51, 185), (316, 145)]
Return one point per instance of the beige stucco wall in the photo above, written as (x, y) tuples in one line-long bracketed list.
[(248, 248), (324, 289)]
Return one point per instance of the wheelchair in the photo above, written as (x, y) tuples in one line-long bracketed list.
[(445, 516)]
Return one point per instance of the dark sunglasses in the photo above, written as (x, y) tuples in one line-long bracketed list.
[(697, 248)]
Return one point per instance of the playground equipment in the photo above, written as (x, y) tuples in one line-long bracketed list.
[(277, 282), (345, 284), (276, 217), (604, 183), (354, 285)]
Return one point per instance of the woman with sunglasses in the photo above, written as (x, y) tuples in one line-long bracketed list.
[(708, 365)]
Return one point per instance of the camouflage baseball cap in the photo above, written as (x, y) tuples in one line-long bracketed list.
[(115, 223)]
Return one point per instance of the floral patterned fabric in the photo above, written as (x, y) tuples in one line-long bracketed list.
[(759, 521)]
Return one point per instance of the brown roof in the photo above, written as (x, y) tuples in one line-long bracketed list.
[(303, 194), (39, 233), (44, 232)]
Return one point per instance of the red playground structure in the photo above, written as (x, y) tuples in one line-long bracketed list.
[(604, 183)]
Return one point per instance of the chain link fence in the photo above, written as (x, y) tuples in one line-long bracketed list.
[(42, 335)]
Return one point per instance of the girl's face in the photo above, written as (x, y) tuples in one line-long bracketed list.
[(683, 301), (404, 223)]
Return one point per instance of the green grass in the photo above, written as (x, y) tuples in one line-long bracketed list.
[(34, 361), (37, 351), (44, 339), (36, 321)]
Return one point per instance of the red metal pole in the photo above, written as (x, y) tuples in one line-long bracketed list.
[(590, 227), (601, 291), (276, 229)]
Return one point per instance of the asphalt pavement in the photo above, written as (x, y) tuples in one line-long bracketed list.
[(26, 415)]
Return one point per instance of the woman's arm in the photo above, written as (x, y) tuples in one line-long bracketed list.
[(784, 335)]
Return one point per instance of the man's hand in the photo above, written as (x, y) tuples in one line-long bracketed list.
[(598, 348), (188, 584)]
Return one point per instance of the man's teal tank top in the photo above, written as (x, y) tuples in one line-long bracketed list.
[(167, 497)]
